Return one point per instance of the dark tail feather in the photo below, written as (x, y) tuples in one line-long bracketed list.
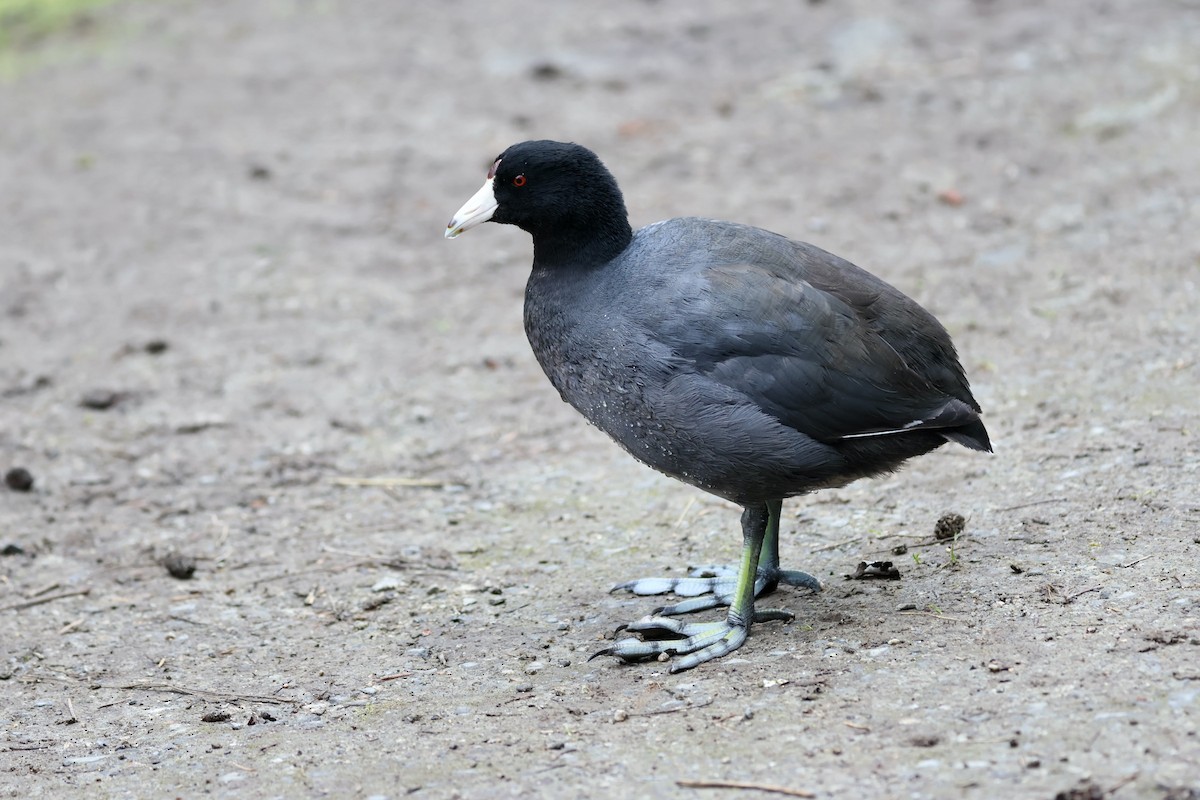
[(972, 435)]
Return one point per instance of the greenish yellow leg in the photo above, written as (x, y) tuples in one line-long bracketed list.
[(700, 642)]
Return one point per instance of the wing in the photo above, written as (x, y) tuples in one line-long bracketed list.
[(803, 355)]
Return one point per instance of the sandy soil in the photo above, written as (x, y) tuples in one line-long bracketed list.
[(225, 301)]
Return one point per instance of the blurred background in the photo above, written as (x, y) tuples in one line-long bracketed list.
[(230, 330)]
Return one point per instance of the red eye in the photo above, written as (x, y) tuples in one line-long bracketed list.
[(519, 181)]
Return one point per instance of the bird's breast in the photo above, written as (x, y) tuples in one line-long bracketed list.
[(605, 368)]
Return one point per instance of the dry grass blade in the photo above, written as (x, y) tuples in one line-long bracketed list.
[(387, 483)]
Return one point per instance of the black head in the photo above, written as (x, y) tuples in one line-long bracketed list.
[(560, 193), (543, 185)]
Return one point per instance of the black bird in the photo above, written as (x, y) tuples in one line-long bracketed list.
[(737, 360)]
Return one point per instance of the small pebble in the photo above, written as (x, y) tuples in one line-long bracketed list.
[(620, 715), (215, 716), (99, 399), (546, 71), (19, 479), (525, 687), (155, 346), (180, 566), (387, 583), (951, 197)]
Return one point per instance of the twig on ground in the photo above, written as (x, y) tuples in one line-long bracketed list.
[(1124, 781), (1072, 598), (391, 562), (761, 787), (204, 694), (934, 614), (686, 707), (1034, 503), (932, 543), (299, 572), (47, 599), (835, 545)]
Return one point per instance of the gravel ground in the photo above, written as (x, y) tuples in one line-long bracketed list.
[(306, 520)]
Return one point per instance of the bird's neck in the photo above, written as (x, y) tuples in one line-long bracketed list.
[(582, 245)]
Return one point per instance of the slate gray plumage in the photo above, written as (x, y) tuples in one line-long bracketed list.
[(734, 359)]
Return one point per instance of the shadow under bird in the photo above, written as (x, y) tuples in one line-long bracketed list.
[(742, 362)]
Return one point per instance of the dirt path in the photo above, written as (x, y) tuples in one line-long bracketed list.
[(220, 223)]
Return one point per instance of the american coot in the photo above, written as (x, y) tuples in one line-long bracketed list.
[(734, 359)]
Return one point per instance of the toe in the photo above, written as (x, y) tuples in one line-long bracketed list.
[(794, 577), (660, 625), (702, 603), (691, 643), (646, 586), (712, 647)]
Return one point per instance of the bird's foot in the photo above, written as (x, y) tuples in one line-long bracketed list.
[(696, 642), (712, 586)]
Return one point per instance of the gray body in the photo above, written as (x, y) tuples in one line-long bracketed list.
[(747, 364)]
